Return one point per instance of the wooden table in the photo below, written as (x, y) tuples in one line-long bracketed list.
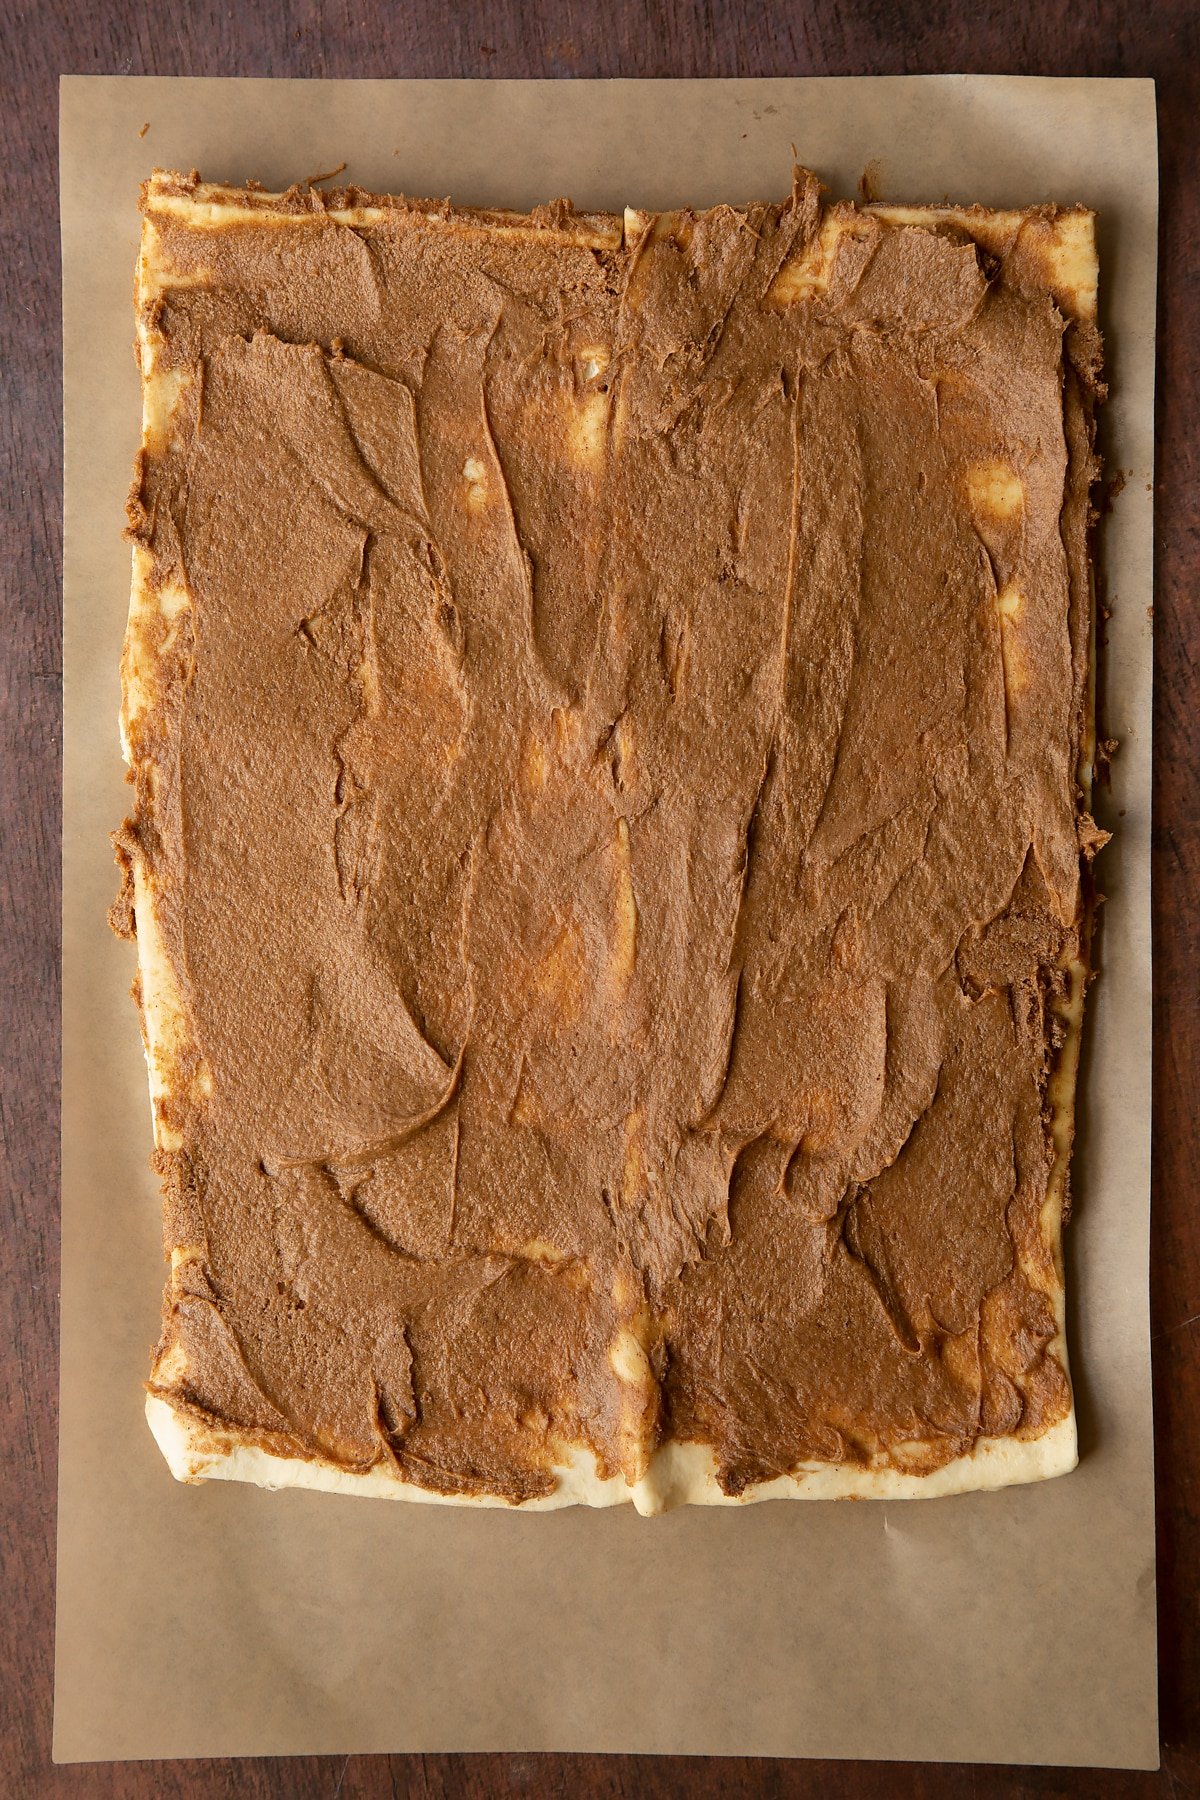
[(367, 37)]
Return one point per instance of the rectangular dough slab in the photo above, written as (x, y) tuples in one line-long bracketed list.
[(1047, 252)]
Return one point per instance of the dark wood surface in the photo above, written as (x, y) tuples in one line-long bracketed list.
[(443, 38)]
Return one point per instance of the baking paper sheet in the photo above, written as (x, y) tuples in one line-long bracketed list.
[(1010, 1627)]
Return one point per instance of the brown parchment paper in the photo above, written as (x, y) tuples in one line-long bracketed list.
[(1016, 1626)]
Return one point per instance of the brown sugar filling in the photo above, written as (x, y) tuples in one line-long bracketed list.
[(606, 706)]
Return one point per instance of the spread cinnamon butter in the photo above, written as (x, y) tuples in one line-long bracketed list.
[(607, 704)]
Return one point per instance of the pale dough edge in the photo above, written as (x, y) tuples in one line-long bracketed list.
[(678, 1473)]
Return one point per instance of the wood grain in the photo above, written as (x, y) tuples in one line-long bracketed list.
[(663, 37)]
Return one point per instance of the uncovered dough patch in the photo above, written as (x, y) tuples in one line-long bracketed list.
[(608, 700)]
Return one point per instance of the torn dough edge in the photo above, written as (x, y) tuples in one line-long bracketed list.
[(677, 1473)]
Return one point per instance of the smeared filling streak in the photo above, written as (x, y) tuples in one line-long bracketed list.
[(612, 807)]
